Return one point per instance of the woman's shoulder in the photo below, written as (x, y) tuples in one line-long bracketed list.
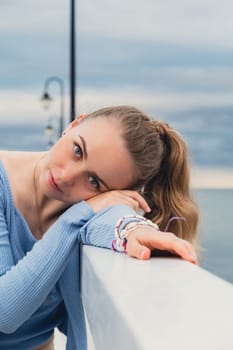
[(14, 162), (8, 160), (10, 156), (10, 164), (4, 154)]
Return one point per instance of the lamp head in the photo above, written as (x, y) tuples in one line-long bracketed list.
[(49, 130), (46, 100)]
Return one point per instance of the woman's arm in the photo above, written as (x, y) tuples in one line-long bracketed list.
[(24, 287), (100, 230)]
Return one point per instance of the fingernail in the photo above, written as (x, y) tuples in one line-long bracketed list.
[(193, 257), (143, 254)]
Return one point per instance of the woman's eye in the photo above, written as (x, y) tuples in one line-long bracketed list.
[(78, 151), (94, 182)]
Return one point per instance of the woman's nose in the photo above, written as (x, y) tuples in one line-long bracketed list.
[(70, 174)]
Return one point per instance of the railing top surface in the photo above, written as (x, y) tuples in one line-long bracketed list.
[(156, 303)]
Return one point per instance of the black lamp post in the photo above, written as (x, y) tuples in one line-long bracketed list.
[(72, 61), (46, 99)]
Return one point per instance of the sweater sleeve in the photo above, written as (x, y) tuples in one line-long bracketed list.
[(6, 256), (100, 229), (24, 287)]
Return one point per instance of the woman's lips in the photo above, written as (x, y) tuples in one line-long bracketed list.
[(53, 183)]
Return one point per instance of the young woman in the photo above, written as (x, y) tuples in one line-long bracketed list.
[(88, 188)]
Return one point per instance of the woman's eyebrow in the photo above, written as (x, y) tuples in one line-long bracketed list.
[(84, 145)]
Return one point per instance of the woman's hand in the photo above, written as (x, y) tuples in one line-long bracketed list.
[(142, 240), (130, 198)]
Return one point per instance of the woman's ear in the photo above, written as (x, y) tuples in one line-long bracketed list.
[(80, 117), (74, 123)]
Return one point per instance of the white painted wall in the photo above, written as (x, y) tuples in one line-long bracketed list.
[(163, 303)]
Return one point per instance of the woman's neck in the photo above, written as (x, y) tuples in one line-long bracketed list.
[(39, 211)]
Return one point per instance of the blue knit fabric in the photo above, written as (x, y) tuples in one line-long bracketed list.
[(39, 280)]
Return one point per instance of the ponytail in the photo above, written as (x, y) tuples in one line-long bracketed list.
[(168, 191)]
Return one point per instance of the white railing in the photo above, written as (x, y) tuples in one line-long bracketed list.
[(163, 303)]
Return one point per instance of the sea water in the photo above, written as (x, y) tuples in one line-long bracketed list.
[(216, 231), (216, 205)]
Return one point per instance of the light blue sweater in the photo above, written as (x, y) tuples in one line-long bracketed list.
[(39, 280)]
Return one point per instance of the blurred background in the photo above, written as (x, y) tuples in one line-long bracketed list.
[(173, 59)]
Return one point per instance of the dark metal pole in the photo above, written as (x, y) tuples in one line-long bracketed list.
[(72, 62)]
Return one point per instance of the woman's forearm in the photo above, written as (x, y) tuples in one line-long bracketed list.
[(25, 286), (99, 230)]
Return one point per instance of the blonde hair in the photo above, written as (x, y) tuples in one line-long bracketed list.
[(161, 168)]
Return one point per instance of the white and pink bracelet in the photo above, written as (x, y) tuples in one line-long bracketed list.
[(119, 244)]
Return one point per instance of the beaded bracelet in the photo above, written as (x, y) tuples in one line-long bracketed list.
[(119, 244)]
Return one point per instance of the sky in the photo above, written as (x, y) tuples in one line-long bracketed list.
[(173, 59), (172, 54)]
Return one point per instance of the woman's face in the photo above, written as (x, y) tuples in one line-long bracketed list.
[(89, 159)]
